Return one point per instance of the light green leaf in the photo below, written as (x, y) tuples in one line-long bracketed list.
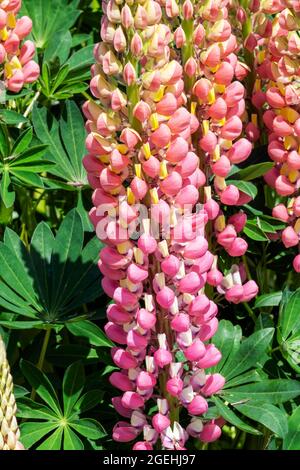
[(253, 231), (33, 432), (29, 409), (53, 442), (88, 428), (268, 300), (71, 440)]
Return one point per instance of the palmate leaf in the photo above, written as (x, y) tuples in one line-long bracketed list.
[(59, 421), (248, 389), (50, 282), (50, 17), (66, 142)]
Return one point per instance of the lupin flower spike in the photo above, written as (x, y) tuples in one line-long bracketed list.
[(9, 431), (154, 145)]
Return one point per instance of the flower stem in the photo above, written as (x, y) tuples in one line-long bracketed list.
[(250, 311), (41, 360)]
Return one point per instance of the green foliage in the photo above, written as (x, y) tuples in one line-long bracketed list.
[(54, 425), (48, 284)]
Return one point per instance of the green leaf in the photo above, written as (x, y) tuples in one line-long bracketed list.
[(253, 231), (232, 418), (30, 179), (73, 135), (227, 339), (88, 428), (272, 391), (81, 59), (71, 440), (88, 401), (247, 377), (289, 318), (268, 415), (268, 300), (253, 171), (73, 384), (49, 17), (66, 143), (41, 248), (91, 332), (59, 46), (292, 438), (7, 194), (13, 273), (29, 409), (4, 141), (249, 353), (63, 355), (42, 385), (12, 118), (33, 432), (248, 188), (66, 251), (53, 442), (23, 142)]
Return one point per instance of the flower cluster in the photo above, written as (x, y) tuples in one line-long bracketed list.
[(16, 56), (167, 119), (9, 431), (275, 44)]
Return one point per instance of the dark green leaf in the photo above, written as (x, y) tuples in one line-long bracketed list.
[(91, 332), (248, 188), (292, 439), (249, 353), (273, 391), (42, 385), (254, 171), (23, 142), (232, 418), (289, 319), (268, 415), (73, 384), (12, 118), (6, 192)]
